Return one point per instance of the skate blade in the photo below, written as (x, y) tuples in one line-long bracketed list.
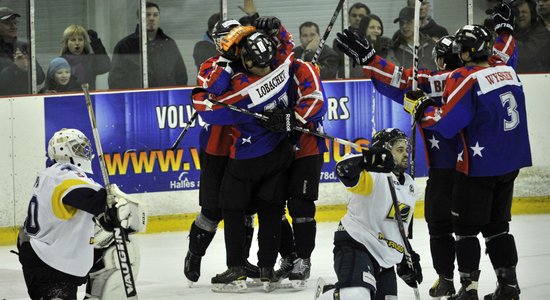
[(299, 284), (271, 286), (319, 289), (190, 283), (237, 286)]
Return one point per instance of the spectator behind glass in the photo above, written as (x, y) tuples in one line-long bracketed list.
[(310, 39), (76, 48), (533, 55), (205, 48), (372, 28), (14, 58), (404, 40), (355, 13), (59, 78), (526, 17), (165, 64), (427, 25)]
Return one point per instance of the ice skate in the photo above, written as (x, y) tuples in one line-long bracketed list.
[(252, 272), (468, 290), (285, 266), (192, 268), (233, 280), (442, 287), (300, 273)]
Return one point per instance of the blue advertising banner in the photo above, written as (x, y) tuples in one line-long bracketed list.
[(138, 128)]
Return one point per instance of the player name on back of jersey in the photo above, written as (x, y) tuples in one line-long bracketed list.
[(269, 86), (493, 78)]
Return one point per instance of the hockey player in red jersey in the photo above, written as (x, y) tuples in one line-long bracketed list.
[(56, 242), (368, 243), (483, 189)]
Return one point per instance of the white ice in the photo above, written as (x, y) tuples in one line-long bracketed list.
[(161, 275)]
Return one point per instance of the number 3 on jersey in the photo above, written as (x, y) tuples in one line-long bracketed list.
[(31, 223), (509, 103)]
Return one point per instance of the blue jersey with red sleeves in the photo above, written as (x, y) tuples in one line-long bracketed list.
[(393, 82), (486, 105), (253, 93), (308, 97), (214, 76)]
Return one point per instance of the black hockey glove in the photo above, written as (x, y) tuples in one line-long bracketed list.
[(269, 25), (411, 276), (281, 119), (415, 103), (356, 47), (93, 35), (377, 160), (503, 18)]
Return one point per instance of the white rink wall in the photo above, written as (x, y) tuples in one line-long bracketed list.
[(22, 154)]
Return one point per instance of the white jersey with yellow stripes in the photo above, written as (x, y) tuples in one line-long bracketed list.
[(61, 235), (370, 217)]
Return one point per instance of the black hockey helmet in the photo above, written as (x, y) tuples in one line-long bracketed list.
[(259, 49), (444, 48), (221, 29), (385, 138), (475, 39)]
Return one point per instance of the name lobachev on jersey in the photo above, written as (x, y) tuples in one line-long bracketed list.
[(370, 217), (61, 235)]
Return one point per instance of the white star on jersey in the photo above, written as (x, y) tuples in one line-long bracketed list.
[(206, 126), (247, 140), (477, 150), (459, 158), (434, 142)]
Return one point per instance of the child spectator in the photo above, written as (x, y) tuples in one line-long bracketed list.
[(59, 77)]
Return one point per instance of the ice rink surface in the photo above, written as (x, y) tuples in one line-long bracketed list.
[(161, 274)]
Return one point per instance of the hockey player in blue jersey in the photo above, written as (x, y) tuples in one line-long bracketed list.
[(484, 103), (56, 242)]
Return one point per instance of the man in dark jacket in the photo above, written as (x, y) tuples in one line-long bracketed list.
[(14, 58), (164, 61), (205, 48), (310, 38)]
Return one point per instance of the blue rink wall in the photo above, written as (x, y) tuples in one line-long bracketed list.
[(137, 128)]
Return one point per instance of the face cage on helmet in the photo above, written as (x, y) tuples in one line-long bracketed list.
[(83, 150)]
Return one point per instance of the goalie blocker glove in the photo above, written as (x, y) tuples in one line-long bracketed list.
[(269, 25), (377, 160), (411, 276), (356, 47), (280, 120), (125, 212), (416, 103)]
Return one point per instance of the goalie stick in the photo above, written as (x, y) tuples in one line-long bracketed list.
[(297, 128), (408, 247), (119, 234)]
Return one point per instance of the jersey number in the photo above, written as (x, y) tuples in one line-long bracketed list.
[(31, 224), (508, 98)]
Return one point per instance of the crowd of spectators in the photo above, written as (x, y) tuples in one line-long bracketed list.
[(87, 58)]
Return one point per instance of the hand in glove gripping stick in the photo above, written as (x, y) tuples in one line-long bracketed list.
[(127, 212), (411, 275), (416, 103), (356, 47), (280, 119)]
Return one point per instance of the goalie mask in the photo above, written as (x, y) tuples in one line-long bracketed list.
[(71, 146), (257, 51), (475, 39)]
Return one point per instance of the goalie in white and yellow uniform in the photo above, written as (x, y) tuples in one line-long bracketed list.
[(56, 242)]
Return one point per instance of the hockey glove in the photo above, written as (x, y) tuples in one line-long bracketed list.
[(280, 120), (378, 160), (415, 103), (503, 18), (269, 25), (356, 47), (123, 211), (411, 276), (93, 35)]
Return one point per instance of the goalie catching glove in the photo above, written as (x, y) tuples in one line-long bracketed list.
[(124, 211), (411, 276), (377, 160), (356, 47), (416, 103), (280, 119)]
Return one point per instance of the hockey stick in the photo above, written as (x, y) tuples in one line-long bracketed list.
[(297, 128), (119, 234), (417, 4), (327, 31), (184, 130), (408, 247)]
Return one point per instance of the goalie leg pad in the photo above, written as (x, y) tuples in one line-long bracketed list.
[(106, 283)]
